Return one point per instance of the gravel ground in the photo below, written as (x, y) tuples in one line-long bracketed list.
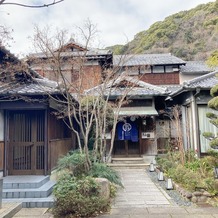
[(175, 195)]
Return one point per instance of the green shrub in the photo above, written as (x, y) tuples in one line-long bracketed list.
[(177, 174), (213, 153), (165, 164), (194, 166), (76, 191), (194, 173), (77, 197), (74, 162), (101, 170), (210, 184)]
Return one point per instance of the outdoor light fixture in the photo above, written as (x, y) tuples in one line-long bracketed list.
[(144, 122), (160, 176), (216, 172), (154, 161), (151, 167), (169, 184)]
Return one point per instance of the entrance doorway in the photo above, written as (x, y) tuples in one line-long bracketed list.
[(127, 139), (26, 154), (126, 148)]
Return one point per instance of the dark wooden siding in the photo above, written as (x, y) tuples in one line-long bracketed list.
[(57, 149), (1, 155), (60, 140), (161, 78)]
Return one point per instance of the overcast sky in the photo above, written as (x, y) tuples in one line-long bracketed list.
[(117, 20)]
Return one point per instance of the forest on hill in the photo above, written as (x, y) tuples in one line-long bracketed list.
[(190, 35)]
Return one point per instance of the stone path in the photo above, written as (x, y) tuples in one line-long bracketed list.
[(141, 198), (139, 191)]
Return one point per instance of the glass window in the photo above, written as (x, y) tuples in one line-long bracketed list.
[(205, 126), (168, 69), (158, 69)]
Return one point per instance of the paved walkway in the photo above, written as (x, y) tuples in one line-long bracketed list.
[(139, 191), (140, 198)]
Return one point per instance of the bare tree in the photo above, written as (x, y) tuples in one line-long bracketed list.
[(54, 2), (89, 113), (5, 35), (176, 125)]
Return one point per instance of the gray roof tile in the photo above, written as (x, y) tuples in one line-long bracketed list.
[(93, 53), (195, 67), (136, 88), (171, 88), (146, 59), (206, 81), (37, 87)]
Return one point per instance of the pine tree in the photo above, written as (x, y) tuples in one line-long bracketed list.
[(213, 104)]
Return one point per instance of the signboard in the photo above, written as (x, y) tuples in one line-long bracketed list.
[(147, 135)]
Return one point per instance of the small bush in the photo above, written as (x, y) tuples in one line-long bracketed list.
[(196, 172), (77, 197), (165, 164), (101, 170), (74, 162), (194, 165)]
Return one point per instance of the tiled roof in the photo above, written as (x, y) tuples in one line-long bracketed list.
[(23, 80), (136, 88), (146, 59), (90, 53), (171, 88), (37, 86), (195, 67), (206, 81)]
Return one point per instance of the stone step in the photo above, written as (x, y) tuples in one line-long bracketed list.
[(127, 165), (8, 210), (47, 202), (127, 160), (24, 182), (41, 192)]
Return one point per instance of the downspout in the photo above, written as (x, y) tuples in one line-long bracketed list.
[(184, 128), (196, 132), (47, 159), (6, 143)]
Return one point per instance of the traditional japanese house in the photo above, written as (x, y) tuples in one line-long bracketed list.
[(80, 67), (193, 97), (136, 133), (31, 137), (157, 69)]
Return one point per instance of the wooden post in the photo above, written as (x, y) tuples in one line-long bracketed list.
[(126, 148)]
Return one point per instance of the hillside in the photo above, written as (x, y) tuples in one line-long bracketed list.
[(190, 35)]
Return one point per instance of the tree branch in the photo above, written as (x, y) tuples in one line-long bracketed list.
[(2, 2)]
